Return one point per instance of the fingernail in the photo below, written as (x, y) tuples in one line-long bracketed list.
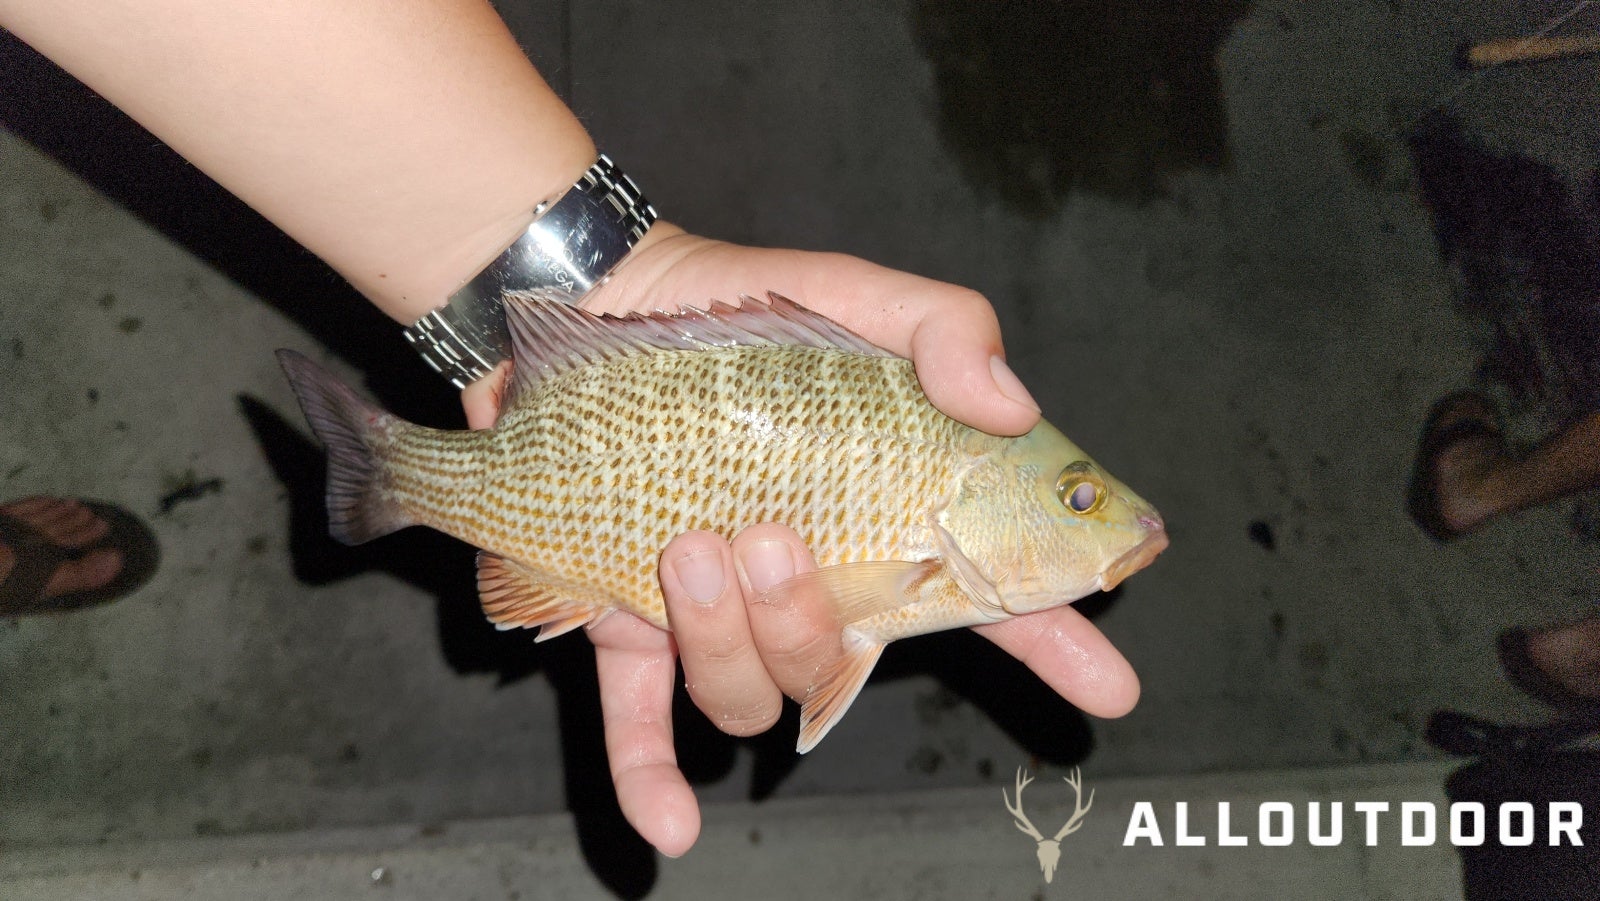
[(766, 563), (701, 576), (1009, 384)]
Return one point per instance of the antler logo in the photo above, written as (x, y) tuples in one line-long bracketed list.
[(1049, 848)]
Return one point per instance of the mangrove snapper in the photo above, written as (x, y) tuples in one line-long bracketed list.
[(617, 434)]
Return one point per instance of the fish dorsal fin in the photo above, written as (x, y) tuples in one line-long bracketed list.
[(549, 337)]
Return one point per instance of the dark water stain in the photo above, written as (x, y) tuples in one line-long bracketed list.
[(926, 761), (1038, 98), (1526, 243), (1314, 660), (932, 706), (187, 487), (1366, 155), (1260, 532), (1370, 159)]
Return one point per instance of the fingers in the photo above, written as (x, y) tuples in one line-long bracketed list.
[(636, 671), (949, 332), (1072, 656), (797, 638), (706, 583), (481, 399), (742, 654), (706, 606)]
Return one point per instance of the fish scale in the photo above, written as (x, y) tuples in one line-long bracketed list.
[(573, 430), (617, 435)]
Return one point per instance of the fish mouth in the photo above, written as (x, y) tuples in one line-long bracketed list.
[(1134, 560)]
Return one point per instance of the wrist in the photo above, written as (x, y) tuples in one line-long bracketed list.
[(416, 279), (571, 243)]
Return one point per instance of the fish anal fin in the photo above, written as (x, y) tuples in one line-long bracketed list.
[(515, 597), (833, 693), (857, 591), (863, 598)]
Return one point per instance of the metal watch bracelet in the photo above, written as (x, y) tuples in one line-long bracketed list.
[(573, 244)]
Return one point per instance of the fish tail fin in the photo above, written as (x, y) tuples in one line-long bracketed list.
[(349, 427)]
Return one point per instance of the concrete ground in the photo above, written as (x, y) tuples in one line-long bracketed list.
[(949, 843), (1207, 242)]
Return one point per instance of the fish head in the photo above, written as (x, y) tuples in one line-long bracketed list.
[(1037, 524)]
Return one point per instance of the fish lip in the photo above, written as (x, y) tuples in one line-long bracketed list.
[(1134, 560)]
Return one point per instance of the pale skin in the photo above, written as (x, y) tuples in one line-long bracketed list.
[(345, 123)]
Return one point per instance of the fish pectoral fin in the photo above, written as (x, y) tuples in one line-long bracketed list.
[(832, 694), (515, 597), (857, 591)]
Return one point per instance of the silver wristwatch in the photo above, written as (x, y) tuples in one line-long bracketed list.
[(574, 243)]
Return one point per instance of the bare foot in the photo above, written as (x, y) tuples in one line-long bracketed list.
[(1461, 468), (1465, 478), (69, 523), (1570, 656)]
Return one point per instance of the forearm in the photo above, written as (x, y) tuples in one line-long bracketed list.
[(403, 141)]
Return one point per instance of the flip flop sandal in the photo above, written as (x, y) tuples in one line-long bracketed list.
[(1422, 495), (37, 558), (1525, 674), (1464, 735)]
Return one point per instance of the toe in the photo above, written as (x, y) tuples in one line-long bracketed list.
[(92, 571)]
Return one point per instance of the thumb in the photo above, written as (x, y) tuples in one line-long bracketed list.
[(961, 365)]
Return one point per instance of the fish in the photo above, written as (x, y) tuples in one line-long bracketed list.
[(618, 433)]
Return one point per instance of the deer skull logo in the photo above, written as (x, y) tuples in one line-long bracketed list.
[(1049, 848)]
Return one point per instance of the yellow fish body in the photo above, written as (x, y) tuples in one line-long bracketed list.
[(617, 434)]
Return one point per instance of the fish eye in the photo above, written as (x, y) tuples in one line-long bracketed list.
[(1082, 497), (1079, 489)]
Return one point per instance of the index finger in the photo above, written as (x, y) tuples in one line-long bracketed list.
[(1073, 657), (637, 666)]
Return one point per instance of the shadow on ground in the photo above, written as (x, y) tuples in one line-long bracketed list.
[(1526, 245), (102, 146)]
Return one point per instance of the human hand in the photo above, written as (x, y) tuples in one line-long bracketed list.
[(740, 658), (924, 320)]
